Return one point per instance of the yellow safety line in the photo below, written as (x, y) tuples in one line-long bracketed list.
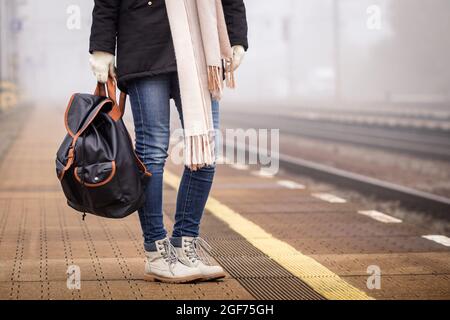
[(317, 276)]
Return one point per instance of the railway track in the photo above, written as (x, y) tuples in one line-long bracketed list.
[(429, 145), (424, 143), (437, 206)]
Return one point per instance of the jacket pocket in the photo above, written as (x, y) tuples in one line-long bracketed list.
[(137, 4)]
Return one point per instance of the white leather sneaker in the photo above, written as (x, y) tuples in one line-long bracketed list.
[(191, 254), (163, 265)]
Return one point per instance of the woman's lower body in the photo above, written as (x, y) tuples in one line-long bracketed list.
[(178, 259)]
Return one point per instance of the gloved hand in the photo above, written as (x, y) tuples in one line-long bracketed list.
[(238, 56), (102, 65)]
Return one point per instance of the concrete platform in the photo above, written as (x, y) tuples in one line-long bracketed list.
[(274, 242)]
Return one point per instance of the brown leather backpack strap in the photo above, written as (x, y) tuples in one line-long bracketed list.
[(111, 87), (100, 90), (122, 102), (118, 109)]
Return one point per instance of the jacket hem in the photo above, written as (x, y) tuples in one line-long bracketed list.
[(124, 80)]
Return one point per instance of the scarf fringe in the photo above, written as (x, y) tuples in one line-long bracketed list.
[(215, 80), (199, 151), (215, 83)]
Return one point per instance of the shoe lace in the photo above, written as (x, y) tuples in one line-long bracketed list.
[(197, 249), (169, 254)]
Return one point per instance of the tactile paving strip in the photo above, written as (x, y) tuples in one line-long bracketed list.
[(259, 274), (252, 267), (227, 247), (279, 289)]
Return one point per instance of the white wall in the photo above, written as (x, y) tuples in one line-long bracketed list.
[(54, 59)]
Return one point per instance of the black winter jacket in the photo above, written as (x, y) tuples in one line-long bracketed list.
[(142, 33)]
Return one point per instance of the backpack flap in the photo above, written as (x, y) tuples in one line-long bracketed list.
[(81, 111)]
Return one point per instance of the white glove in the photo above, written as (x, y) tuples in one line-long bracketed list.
[(102, 65), (238, 56)]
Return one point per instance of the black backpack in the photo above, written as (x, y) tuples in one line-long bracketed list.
[(96, 164)]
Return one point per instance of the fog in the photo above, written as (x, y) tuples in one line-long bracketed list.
[(301, 51)]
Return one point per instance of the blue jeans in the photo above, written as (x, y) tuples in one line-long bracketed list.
[(150, 104)]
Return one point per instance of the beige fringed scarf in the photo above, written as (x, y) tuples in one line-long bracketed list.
[(201, 44)]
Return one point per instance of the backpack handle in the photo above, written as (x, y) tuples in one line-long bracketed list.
[(109, 90)]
